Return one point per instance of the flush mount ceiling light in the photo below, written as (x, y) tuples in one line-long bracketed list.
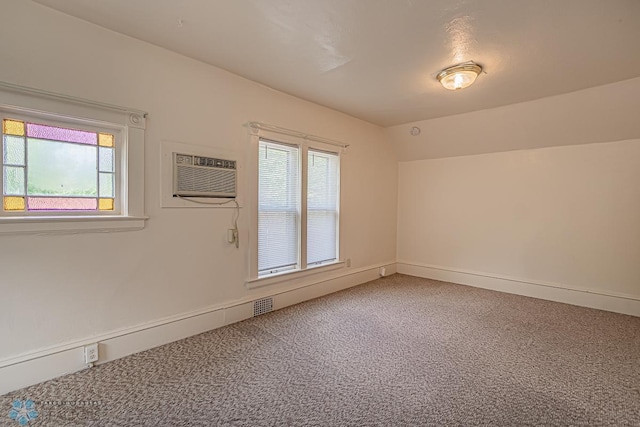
[(459, 76)]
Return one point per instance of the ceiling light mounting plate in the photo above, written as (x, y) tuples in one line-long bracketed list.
[(459, 76)]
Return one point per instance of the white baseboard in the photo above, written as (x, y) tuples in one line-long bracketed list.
[(618, 303), (32, 368)]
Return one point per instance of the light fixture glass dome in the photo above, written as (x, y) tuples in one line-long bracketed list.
[(459, 76)]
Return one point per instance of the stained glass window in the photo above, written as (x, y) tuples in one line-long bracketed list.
[(52, 168)]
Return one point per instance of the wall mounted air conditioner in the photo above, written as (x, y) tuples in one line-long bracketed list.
[(199, 176)]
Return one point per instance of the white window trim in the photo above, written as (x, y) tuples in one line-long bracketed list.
[(254, 281), (45, 104), (291, 275)]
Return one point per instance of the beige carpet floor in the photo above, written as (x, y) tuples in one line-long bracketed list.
[(398, 351)]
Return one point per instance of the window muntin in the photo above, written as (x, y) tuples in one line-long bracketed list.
[(50, 168), (293, 235)]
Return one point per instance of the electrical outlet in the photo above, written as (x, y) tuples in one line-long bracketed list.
[(348, 262), (91, 353)]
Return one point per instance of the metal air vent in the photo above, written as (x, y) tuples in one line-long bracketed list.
[(262, 306)]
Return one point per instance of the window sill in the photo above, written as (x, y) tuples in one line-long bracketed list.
[(291, 275), (70, 224)]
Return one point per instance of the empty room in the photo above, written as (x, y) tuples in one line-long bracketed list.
[(320, 213)]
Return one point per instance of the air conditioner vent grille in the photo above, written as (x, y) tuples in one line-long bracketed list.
[(206, 180), (203, 176)]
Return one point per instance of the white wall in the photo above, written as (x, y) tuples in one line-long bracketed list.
[(536, 221), (61, 289)]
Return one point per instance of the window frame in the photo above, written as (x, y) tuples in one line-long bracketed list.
[(321, 152), (64, 122), (302, 269), (128, 127), (298, 208)]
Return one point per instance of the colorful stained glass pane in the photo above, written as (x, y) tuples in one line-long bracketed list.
[(13, 127), (61, 169), (13, 153), (13, 181), (106, 185), (105, 204), (105, 139), (106, 159), (61, 134), (61, 204), (13, 203)]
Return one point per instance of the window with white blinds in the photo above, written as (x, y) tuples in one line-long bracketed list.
[(322, 207), (278, 207), (281, 235)]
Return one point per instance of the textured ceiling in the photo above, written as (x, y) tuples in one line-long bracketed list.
[(377, 59)]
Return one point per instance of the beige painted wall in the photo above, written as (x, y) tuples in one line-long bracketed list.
[(565, 216), (55, 289)]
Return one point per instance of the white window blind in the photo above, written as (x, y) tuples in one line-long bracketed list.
[(322, 207), (278, 207)]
